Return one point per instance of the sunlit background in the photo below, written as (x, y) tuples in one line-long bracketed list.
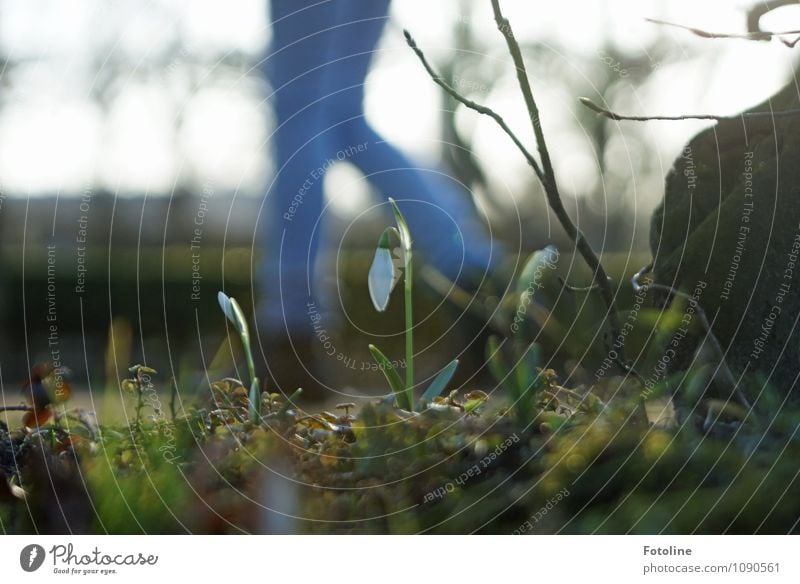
[(146, 104), (143, 97)]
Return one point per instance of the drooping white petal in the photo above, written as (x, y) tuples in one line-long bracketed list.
[(234, 314), (225, 305), (382, 278)]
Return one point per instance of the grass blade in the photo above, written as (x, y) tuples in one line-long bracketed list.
[(530, 279), (402, 226), (255, 401), (289, 402), (494, 360), (437, 385), (395, 383)]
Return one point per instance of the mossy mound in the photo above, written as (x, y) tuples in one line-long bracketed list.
[(578, 466)]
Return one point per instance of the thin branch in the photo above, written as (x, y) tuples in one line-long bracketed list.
[(751, 35), (549, 180), (637, 287), (618, 117), (727, 377), (567, 286), (16, 409), (481, 109)]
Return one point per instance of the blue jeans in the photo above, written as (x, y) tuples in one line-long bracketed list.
[(317, 65)]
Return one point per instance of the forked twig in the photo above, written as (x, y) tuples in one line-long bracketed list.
[(567, 286), (551, 185), (620, 117), (16, 409), (481, 109), (545, 172), (751, 35)]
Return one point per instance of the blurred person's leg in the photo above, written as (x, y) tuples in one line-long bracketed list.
[(443, 219), (317, 67), (295, 66)]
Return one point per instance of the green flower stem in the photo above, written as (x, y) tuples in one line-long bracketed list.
[(408, 281), (251, 366)]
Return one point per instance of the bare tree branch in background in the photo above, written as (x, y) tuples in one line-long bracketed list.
[(754, 32), (481, 109), (545, 173), (620, 117), (16, 409), (550, 183)]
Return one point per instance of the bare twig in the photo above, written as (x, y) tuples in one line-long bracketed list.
[(481, 109), (549, 180), (545, 172), (726, 376), (754, 34), (567, 286), (16, 409), (619, 117)]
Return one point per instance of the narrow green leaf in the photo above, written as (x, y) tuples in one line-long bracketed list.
[(290, 402), (395, 383), (525, 368), (472, 405), (402, 226), (438, 385), (255, 400), (385, 241), (530, 279), (529, 383), (496, 363)]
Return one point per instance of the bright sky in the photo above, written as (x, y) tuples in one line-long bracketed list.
[(147, 132)]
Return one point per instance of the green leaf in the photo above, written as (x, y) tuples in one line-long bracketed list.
[(495, 361), (525, 368), (290, 402), (438, 385), (395, 383), (472, 405), (255, 400), (474, 400), (402, 226), (536, 267)]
